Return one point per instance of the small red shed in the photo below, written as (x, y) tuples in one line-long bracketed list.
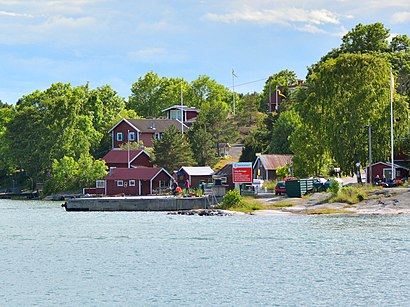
[(384, 169)]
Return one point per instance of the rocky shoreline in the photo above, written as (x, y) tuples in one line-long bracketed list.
[(387, 201)]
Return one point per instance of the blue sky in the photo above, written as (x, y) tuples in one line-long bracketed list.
[(115, 42)]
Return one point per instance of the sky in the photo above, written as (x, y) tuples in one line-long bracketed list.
[(115, 42)]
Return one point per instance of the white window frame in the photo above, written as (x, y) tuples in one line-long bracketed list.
[(132, 183), (100, 184), (131, 136), (120, 183), (120, 136), (158, 135)]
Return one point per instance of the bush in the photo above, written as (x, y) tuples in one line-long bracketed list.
[(334, 187), (232, 199), (350, 195)]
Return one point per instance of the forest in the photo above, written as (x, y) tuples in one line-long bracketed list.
[(56, 137)]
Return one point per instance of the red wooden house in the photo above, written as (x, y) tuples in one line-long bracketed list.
[(145, 130), (134, 181), (125, 158)]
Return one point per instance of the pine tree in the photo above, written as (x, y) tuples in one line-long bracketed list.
[(172, 151)]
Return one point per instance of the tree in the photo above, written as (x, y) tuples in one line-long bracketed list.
[(172, 151), (69, 175), (282, 78), (258, 139), (151, 94), (366, 39), (202, 144), (282, 129), (204, 89), (247, 110), (345, 94)]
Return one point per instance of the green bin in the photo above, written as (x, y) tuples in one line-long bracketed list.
[(298, 188)]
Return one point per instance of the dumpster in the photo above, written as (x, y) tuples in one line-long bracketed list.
[(298, 188)]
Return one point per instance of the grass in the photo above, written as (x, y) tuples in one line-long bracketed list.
[(280, 204), (350, 195), (327, 211)]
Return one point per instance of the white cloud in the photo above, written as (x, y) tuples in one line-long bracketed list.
[(401, 17), (13, 14), (300, 19)]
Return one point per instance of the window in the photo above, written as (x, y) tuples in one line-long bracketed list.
[(158, 135), (100, 184), (120, 183), (119, 136), (132, 183), (131, 136), (175, 114)]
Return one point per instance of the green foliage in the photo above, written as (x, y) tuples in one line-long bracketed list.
[(232, 199), (350, 195), (270, 185), (172, 151), (258, 139), (283, 172), (69, 175), (60, 121), (282, 128), (151, 94), (334, 187), (247, 109), (282, 78)]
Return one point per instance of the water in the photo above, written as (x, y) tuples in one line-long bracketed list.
[(50, 257)]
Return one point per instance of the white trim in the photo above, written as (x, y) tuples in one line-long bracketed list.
[(132, 182), (139, 187), (124, 120), (120, 183), (117, 138)]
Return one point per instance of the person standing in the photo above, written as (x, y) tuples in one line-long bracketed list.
[(187, 186)]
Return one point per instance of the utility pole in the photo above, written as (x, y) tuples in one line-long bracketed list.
[(369, 127)]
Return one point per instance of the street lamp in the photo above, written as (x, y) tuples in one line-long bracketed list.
[(369, 128)]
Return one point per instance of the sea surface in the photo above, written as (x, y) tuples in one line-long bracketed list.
[(50, 257)]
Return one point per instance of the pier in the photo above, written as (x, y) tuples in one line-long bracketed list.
[(139, 203)]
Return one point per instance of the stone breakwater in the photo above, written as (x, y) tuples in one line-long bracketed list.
[(203, 212)]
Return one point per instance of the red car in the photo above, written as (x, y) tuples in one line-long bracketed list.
[(280, 188)]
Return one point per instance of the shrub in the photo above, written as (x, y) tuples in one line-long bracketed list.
[(334, 187), (232, 199)]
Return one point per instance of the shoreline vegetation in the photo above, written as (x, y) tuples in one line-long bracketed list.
[(364, 200)]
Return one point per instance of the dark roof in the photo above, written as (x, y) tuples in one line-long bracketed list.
[(139, 173), (272, 162), (121, 156), (151, 125), (155, 125)]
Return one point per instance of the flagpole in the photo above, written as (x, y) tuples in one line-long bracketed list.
[(233, 88), (182, 112), (128, 148), (391, 124)]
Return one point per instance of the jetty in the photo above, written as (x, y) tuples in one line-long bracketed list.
[(140, 203)]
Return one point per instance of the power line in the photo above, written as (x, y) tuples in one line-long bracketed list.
[(236, 85)]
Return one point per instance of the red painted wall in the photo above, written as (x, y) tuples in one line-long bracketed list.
[(124, 128), (142, 160)]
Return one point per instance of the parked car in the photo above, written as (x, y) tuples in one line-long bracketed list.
[(280, 188)]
